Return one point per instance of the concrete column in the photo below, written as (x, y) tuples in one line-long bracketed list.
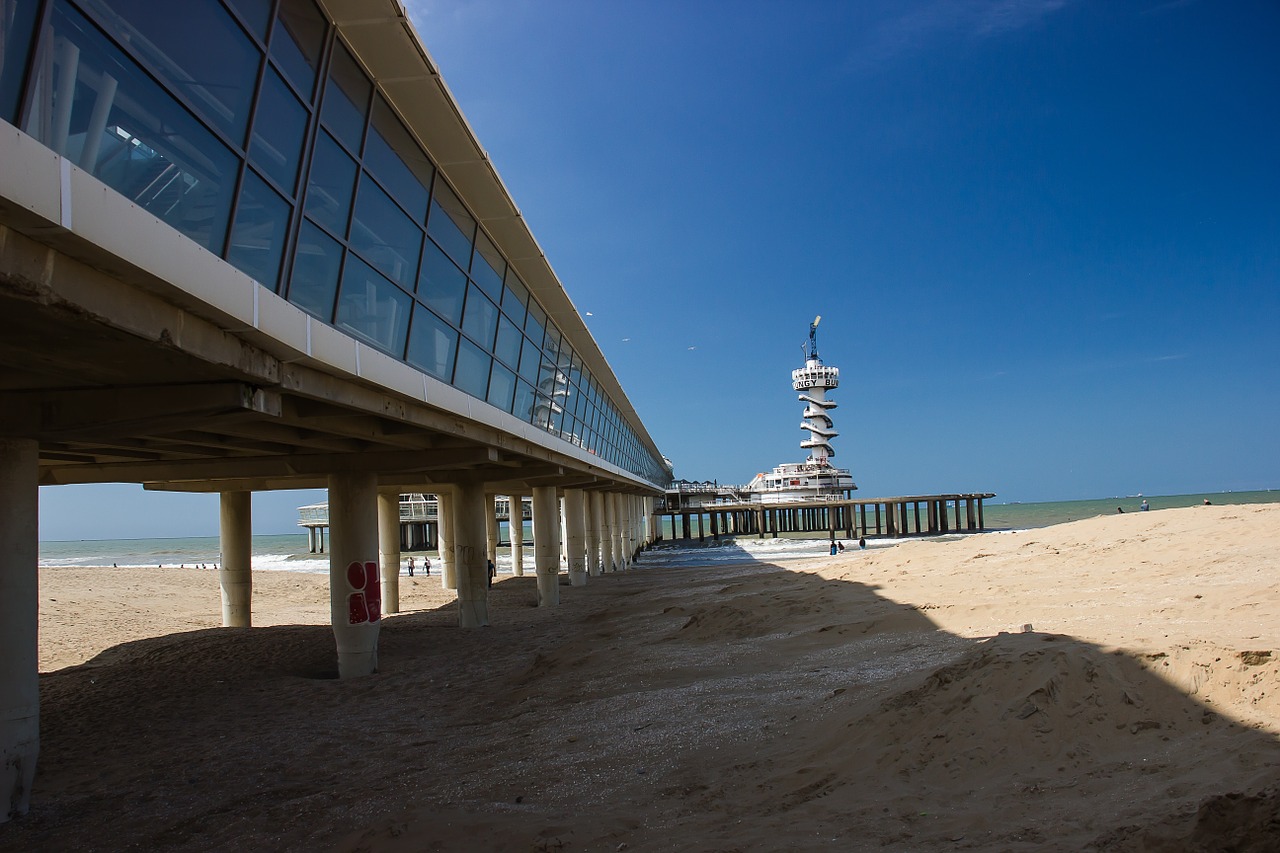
[(19, 624), (546, 544), (591, 532), (235, 578), (471, 525), (596, 541), (575, 528), (515, 527), (389, 549), (448, 565), (615, 531), (607, 553), (491, 528), (355, 601)]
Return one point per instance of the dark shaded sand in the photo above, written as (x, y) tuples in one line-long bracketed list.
[(862, 702)]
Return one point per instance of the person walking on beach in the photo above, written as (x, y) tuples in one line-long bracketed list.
[(426, 566), (493, 572), (862, 543), (411, 567)]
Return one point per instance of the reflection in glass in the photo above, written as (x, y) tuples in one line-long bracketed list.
[(256, 14), (214, 72), (333, 177), (346, 98), (481, 318), (508, 344), (373, 308), (487, 267), (450, 225), (530, 359), (17, 21), (279, 126), (441, 284), (397, 162), (432, 344), (297, 41), (502, 384), (94, 106), (384, 235), (524, 402), (313, 286), (514, 297), (472, 373), (258, 234)]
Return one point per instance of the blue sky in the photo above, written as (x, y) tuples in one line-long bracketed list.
[(1044, 236)]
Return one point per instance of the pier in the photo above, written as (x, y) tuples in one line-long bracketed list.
[(701, 510), (419, 522)]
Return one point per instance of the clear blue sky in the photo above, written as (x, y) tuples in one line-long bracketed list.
[(1044, 236)]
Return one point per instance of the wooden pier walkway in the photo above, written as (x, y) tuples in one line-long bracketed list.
[(852, 517)]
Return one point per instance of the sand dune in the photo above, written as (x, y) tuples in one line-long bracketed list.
[(882, 700)]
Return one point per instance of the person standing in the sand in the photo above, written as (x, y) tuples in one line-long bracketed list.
[(411, 567), (493, 572), (862, 543), (426, 566)]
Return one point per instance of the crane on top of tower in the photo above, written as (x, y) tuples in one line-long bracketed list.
[(812, 352)]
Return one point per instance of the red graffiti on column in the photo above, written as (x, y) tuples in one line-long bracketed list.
[(365, 604)]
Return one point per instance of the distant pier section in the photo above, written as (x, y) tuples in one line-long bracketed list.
[(698, 510)]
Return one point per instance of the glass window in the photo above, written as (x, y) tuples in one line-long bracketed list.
[(123, 128), (442, 284), (480, 320), (373, 308), (508, 344), (297, 41), (451, 225), (487, 267), (512, 301), (346, 98), (258, 235), (384, 235), (213, 72), (397, 162), (433, 344), (551, 343), (278, 128), (542, 411), (502, 384), (535, 325), (333, 178), (472, 375), (256, 15), (17, 24), (524, 402), (530, 359), (313, 286)]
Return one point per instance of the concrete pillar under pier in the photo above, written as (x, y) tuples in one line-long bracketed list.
[(389, 549), (575, 534), (19, 625), (471, 523), (491, 528), (615, 531), (235, 575), (546, 544), (608, 554), (355, 600), (515, 529), (595, 532), (448, 559)]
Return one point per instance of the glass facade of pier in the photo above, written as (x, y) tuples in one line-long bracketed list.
[(253, 129)]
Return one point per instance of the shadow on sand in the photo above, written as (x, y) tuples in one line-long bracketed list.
[(740, 706)]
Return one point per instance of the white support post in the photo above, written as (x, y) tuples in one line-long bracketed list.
[(389, 549), (448, 565), (575, 524), (19, 624), (592, 510), (515, 525), (491, 527), (546, 544), (615, 532), (235, 574), (355, 600), (471, 525)]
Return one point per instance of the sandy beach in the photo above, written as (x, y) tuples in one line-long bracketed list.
[(1108, 684)]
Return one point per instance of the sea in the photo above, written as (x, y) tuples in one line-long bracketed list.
[(287, 552)]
